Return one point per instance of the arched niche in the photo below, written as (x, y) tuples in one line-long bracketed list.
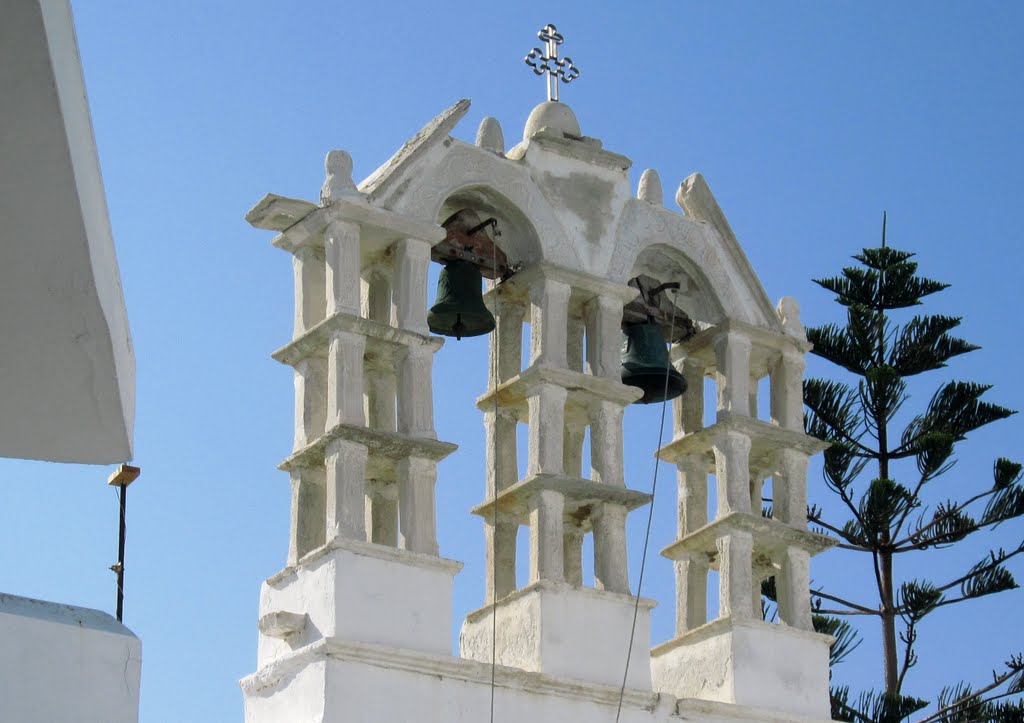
[(517, 238), (697, 296)]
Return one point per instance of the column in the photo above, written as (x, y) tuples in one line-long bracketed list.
[(417, 479), (310, 400), (500, 540), (688, 409), (789, 489), (574, 343), (547, 414), (572, 447), (732, 359), (572, 555), (376, 294), (409, 299), (382, 513), (549, 313), (345, 497), (787, 390), (792, 583), (415, 392), (610, 566), (732, 469), (547, 556), (507, 340), (345, 378), (603, 315), (691, 575), (310, 288), (606, 443), (735, 574), (308, 514), (341, 253)]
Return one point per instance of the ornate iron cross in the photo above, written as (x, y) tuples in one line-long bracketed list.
[(556, 68)]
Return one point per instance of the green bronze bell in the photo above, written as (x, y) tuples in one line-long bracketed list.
[(460, 309), (645, 363)]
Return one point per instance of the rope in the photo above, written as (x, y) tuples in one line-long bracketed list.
[(650, 517), (494, 464)]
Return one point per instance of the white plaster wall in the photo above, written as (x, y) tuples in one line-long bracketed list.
[(66, 663), (67, 375)]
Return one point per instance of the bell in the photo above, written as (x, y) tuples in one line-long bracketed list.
[(460, 309), (645, 363)]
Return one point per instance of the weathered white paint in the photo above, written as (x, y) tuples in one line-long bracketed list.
[(66, 663), (67, 374)]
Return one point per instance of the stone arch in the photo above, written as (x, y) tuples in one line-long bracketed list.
[(696, 296)]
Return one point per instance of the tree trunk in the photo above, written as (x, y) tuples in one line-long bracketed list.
[(889, 651)]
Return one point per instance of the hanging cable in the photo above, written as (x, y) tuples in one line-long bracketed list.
[(650, 517), (494, 468)]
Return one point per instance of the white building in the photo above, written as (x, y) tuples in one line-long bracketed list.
[(67, 370), (357, 626)]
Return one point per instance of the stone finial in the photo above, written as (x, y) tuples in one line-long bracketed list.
[(788, 310), (338, 183), (650, 188), (489, 135)]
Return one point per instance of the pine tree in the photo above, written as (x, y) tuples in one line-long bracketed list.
[(890, 514)]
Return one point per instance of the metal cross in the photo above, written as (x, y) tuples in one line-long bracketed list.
[(551, 64)]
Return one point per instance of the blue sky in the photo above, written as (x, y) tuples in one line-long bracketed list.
[(807, 119)]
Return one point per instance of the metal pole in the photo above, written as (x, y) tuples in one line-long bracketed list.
[(120, 556)]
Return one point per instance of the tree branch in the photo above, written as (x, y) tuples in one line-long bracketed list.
[(847, 603)]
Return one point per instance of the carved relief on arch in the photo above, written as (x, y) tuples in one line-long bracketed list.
[(465, 171)]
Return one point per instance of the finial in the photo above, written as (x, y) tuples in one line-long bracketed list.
[(338, 183), (551, 64), (489, 135), (788, 311), (650, 188)]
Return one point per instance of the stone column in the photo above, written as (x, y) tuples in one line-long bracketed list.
[(310, 288), (789, 489), (547, 556), (572, 447), (345, 378), (574, 343), (572, 555), (376, 294), (792, 585), (507, 340), (549, 312), (732, 359), (688, 409), (735, 575), (732, 469), (606, 443), (752, 397), (346, 489), (417, 479), (547, 414), (787, 390), (610, 566), (382, 513), (415, 392), (308, 513), (341, 252), (603, 315), (409, 299), (380, 398), (310, 400), (500, 577)]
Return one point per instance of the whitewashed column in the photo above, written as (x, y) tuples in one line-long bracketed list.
[(500, 540), (507, 340), (732, 469), (572, 555), (417, 480), (308, 513), (415, 392), (574, 343), (603, 316), (692, 513), (346, 490), (546, 404), (409, 297), (345, 378), (382, 513), (787, 390), (789, 489), (547, 555), (310, 288), (549, 318), (792, 586), (735, 575), (310, 400), (606, 443), (572, 447), (341, 252), (610, 565), (732, 359)]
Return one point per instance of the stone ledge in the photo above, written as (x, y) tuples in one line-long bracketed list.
[(771, 538), (516, 288), (384, 450), (581, 495), (383, 341), (728, 625), (765, 349), (552, 586), (583, 389), (765, 440)]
